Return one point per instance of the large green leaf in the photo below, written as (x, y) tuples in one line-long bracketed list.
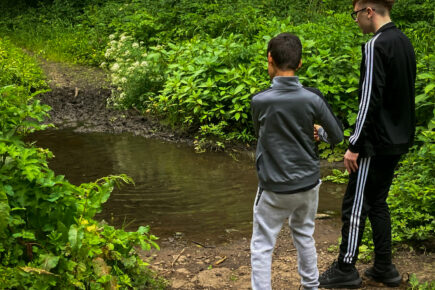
[(48, 261), (4, 212), (75, 237)]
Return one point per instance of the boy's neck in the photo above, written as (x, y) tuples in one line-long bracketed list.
[(285, 73), (381, 22)]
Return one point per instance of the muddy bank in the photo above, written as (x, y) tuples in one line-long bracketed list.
[(78, 100)]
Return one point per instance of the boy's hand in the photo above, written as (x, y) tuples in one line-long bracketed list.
[(350, 161), (316, 132)]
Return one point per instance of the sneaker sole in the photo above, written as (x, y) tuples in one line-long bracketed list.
[(391, 282), (348, 284)]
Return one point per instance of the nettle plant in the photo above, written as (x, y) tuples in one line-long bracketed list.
[(48, 237)]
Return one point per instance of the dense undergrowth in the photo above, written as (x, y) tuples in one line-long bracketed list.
[(48, 237), (195, 65)]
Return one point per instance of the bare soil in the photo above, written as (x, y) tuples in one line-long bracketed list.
[(78, 100), (187, 265)]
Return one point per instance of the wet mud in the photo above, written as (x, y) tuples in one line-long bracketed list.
[(78, 100)]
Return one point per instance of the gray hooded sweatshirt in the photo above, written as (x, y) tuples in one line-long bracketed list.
[(287, 158)]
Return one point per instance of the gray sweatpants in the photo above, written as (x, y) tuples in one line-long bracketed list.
[(270, 211)]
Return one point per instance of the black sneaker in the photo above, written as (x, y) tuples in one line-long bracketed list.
[(388, 276), (336, 278)]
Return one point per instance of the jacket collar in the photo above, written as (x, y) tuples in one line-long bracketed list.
[(285, 82), (385, 27)]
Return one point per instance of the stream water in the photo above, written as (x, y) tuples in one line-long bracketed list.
[(176, 192)]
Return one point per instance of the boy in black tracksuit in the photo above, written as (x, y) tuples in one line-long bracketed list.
[(384, 131)]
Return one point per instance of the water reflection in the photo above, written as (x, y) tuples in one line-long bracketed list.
[(201, 195)]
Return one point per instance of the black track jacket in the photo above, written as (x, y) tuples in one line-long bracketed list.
[(386, 119)]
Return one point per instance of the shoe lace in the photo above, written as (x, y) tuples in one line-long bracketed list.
[(329, 272)]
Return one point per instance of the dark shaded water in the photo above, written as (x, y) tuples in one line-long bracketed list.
[(201, 196)]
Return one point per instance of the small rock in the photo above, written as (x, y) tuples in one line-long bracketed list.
[(183, 271), (321, 216)]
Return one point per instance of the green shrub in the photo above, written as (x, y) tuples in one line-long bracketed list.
[(412, 195), (209, 85), (406, 12), (136, 72), (19, 68), (206, 83), (48, 237), (56, 37), (415, 284), (330, 59)]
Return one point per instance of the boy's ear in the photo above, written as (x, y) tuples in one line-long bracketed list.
[(299, 65), (269, 58)]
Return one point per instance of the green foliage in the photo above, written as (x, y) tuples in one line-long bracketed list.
[(168, 34), (337, 177), (405, 12), (209, 85), (19, 68), (136, 72), (48, 237), (53, 34), (412, 195), (47, 234), (206, 83), (417, 285)]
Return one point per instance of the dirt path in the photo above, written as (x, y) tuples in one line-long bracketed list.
[(78, 101)]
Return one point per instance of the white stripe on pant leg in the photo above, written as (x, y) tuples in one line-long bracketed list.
[(352, 216), (356, 210), (360, 205)]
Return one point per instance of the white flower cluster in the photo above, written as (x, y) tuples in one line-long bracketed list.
[(129, 64)]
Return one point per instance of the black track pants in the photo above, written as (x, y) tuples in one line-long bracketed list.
[(366, 195)]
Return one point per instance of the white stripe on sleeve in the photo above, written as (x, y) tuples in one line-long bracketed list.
[(366, 90)]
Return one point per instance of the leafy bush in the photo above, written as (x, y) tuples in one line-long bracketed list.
[(330, 59), (207, 82), (79, 31), (412, 195), (47, 234), (48, 238), (337, 176), (209, 85), (406, 12), (19, 68), (417, 285), (55, 36), (136, 72)]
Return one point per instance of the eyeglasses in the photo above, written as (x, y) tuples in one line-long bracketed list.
[(354, 14)]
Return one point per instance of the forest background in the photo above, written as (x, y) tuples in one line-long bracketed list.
[(193, 65)]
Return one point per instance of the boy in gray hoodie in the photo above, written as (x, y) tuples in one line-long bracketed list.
[(287, 162)]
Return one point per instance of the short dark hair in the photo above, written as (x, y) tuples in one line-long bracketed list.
[(286, 51), (388, 4)]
